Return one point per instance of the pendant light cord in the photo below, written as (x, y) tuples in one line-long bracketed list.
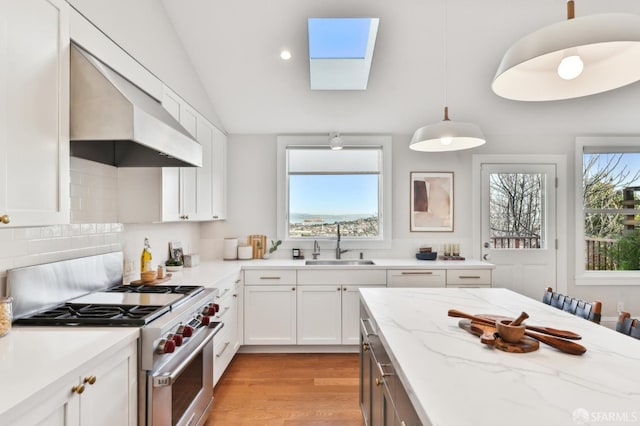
[(444, 47)]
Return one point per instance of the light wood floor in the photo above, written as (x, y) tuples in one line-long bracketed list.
[(288, 389)]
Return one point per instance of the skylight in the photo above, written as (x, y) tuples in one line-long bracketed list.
[(340, 52)]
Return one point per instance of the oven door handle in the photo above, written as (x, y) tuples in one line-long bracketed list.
[(161, 379)]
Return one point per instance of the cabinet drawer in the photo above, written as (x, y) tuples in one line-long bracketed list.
[(270, 276), (416, 278), (468, 277), (227, 285), (342, 277)]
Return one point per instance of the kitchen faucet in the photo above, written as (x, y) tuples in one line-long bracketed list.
[(338, 251), (316, 249)]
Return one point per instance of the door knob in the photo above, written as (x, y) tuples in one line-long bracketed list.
[(486, 245), (5, 219), (486, 257)]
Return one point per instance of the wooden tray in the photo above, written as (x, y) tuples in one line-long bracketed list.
[(526, 344), (154, 282)]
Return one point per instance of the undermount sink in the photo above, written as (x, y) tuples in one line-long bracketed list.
[(339, 262)]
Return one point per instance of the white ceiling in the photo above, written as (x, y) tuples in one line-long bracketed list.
[(235, 45)]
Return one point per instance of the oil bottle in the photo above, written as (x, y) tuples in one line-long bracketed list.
[(145, 258)]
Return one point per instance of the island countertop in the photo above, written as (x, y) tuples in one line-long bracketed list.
[(453, 379)]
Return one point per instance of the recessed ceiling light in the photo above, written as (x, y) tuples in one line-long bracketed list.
[(285, 54)]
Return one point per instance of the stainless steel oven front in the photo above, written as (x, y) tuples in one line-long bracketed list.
[(180, 392)]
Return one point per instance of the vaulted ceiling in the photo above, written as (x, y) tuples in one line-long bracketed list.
[(235, 46)]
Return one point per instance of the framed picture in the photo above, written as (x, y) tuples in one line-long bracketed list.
[(431, 202), (175, 250)]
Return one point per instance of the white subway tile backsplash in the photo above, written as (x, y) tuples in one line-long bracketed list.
[(94, 228)]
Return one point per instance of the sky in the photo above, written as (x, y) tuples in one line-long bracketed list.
[(631, 160), (333, 194), (344, 38)]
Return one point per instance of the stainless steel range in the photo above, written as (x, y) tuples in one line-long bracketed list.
[(176, 330)]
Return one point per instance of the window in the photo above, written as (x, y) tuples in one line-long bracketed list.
[(609, 187), (320, 188)]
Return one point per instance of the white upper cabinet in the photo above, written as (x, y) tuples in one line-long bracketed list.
[(172, 194), (34, 112), (219, 175)]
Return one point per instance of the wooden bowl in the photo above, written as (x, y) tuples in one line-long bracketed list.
[(509, 333), (148, 276)]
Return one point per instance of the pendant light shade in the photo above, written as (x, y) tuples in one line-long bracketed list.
[(573, 58), (447, 135)]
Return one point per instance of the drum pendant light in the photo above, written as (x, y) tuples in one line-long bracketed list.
[(573, 58), (446, 135)]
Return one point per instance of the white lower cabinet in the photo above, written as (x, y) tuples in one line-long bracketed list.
[(104, 393), (319, 318), (416, 277), (469, 278), (328, 304), (227, 342), (270, 314)]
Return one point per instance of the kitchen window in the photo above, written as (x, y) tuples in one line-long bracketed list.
[(608, 200), (319, 188)]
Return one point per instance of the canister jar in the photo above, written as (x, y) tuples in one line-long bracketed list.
[(6, 315)]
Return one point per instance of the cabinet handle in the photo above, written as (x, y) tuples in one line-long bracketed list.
[(366, 331), (215, 217), (344, 289), (237, 281), (5, 219), (235, 295), (91, 380), (382, 372), (78, 389), (226, 290), (224, 311), (269, 278), (339, 288), (293, 289), (379, 381), (226, 345), (418, 273), (473, 277), (365, 346)]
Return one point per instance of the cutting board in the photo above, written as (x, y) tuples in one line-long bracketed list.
[(154, 282), (526, 344)]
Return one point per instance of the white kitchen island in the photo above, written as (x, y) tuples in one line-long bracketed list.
[(453, 379)]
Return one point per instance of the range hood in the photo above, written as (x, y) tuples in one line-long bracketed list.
[(114, 122)]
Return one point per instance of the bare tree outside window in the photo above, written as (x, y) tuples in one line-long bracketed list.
[(515, 212), (611, 193)]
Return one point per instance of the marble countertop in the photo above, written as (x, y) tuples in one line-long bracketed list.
[(33, 358), (453, 379), (208, 272)]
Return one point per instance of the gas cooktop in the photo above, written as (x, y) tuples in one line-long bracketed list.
[(96, 315), (116, 306)]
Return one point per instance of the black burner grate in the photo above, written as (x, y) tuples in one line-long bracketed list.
[(158, 289), (90, 314)]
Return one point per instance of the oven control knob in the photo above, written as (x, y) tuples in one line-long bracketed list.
[(166, 346), (210, 309), (204, 320), (177, 338), (187, 331)]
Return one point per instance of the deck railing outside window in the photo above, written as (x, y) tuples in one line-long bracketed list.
[(515, 242), (600, 254)]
